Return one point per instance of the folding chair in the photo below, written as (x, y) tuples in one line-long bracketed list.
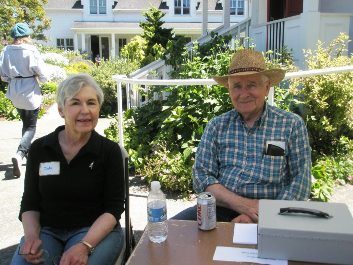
[(128, 232)]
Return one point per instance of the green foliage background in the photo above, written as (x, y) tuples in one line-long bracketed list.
[(163, 135)]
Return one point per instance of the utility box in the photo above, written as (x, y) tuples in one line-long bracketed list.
[(305, 231)]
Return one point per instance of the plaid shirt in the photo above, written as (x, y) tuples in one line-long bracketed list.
[(233, 155)]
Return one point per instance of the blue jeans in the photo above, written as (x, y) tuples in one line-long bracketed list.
[(223, 214), (29, 124), (57, 241)]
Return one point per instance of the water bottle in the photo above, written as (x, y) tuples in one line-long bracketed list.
[(157, 214)]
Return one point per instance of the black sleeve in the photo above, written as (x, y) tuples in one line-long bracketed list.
[(31, 197), (114, 188)]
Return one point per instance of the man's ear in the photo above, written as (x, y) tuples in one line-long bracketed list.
[(267, 86)]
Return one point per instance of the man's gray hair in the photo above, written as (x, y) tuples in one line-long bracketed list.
[(73, 84)]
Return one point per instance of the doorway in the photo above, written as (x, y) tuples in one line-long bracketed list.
[(94, 46), (99, 45)]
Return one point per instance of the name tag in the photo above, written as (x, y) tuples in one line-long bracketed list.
[(49, 168)]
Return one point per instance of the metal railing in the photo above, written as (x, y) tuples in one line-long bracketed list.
[(208, 82)]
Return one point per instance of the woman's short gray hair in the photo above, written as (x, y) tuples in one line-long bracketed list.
[(73, 84)]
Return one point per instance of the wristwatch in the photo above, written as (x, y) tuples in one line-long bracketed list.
[(89, 246)]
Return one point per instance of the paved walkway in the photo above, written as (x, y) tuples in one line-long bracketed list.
[(11, 188)]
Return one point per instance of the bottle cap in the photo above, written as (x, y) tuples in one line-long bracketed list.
[(155, 185)]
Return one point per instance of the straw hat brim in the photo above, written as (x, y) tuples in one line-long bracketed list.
[(274, 75)]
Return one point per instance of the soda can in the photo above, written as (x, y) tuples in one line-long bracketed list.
[(206, 211)]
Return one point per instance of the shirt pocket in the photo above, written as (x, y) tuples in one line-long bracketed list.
[(272, 169)]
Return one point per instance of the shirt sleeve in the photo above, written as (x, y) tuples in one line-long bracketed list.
[(205, 169), (114, 187), (31, 198), (298, 184), (3, 76), (39, 67)]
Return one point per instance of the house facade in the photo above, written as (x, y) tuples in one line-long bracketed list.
[(104, 26), (299, 24)]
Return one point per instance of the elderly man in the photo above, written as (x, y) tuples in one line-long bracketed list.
[(254, 151)]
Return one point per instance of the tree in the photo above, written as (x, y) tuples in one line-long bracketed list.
[(30, 11), (157, 37)]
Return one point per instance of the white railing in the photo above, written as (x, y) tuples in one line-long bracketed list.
[(208, 82)]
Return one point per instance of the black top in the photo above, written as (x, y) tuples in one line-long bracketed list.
[(75, 194)]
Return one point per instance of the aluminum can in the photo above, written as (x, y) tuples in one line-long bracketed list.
[(206, 211)]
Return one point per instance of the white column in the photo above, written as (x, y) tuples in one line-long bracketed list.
[(83, 40), (226, 14), (120, 114), (75, 42), (112, 52), (204, 17)]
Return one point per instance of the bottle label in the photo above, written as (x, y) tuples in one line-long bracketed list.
[(157, 214)]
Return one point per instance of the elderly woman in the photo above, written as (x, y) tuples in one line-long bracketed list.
[(22, 67), (74, 186)]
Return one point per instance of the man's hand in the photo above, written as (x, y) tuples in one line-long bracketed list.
[(230, 200), (243, 218), (249, 207)]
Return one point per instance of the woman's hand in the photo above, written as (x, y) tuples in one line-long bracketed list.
[(76, 255), (31, 250)]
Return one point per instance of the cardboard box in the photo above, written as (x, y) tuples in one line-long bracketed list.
[(305, 237)]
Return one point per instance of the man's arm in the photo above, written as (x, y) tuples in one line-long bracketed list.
[(230, 200), (299, 162)]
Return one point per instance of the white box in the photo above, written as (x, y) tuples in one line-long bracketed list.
[(304, 237)]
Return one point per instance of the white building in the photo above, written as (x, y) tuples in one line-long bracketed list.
[(299, 24), (105, 26)]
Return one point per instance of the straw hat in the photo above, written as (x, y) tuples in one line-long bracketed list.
[(249, 62)]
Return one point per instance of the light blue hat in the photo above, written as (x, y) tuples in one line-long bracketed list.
[(20, 30)]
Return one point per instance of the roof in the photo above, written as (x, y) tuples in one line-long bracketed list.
[(60, 4), (137, 4), (123, 4), (133, 27)]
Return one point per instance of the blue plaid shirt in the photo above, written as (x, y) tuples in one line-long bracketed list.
[(233, 155)]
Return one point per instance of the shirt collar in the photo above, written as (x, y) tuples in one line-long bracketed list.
[(92, 146), (259, 121)]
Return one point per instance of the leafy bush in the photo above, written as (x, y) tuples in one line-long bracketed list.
[(103, 75), (328, 99), (79, 67), (135, 49), (7, 110)]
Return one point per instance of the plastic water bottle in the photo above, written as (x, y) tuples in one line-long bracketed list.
[(157, 214)]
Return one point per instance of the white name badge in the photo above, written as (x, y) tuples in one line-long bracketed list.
[(49, 168)]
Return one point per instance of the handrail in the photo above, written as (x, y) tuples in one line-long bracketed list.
[(123, 79)]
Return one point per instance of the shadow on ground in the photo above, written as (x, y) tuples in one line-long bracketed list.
[(6, 254), (7, 168)]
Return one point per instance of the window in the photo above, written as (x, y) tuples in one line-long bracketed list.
[(181, 7), (237, 7), (98, 6), (65, 44), (122, 43)]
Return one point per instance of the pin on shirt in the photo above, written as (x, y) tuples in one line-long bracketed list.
[(91, 165)]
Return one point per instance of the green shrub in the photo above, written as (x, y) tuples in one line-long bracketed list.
[(328, 99), (7, 110), (135, 49), (79, 66), (49, 87), (171, 169), (103, 75)]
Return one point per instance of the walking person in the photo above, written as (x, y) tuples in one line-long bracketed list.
[(22, 67)]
